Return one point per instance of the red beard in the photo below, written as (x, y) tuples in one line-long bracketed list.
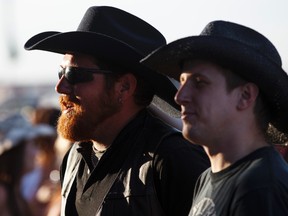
[(68, 122), (81, 120)]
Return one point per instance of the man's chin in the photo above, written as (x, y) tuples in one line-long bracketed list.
[(64, 127), (74, 128)]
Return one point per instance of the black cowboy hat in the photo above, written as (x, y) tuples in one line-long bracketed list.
[(114, 35), (245, 51)]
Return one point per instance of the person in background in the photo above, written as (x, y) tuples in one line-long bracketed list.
[(18, 153), (124, 160), (283, 149), (233, 95), (41, 184)]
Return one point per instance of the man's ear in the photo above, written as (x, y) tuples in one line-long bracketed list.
[(248, 95), (126, 85)]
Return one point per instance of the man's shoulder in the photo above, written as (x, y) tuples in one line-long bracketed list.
[(172, 140), (177, 146)]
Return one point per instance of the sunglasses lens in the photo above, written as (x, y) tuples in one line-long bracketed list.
[(61, 72), (75, 75)]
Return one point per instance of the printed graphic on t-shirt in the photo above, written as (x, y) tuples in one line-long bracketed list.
[(205, 207)]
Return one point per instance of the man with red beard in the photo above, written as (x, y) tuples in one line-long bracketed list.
[(125, 161)]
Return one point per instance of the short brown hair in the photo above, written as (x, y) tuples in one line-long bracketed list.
[(261, 108)]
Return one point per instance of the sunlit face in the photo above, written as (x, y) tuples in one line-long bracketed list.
[(206, 106), (85, 106)]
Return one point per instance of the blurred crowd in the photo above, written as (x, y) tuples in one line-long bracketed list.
[(30, 157)]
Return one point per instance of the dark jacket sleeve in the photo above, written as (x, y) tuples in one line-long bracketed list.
[(177, 166)]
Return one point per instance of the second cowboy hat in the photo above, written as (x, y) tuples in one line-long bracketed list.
[(114, 35), (15, 129), (250, 54)]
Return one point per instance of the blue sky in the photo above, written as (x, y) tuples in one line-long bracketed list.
[(19, 20)]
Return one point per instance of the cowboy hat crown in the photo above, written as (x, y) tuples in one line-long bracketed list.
[(105, 24)]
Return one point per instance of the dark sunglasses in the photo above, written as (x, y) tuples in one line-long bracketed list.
[(76, 75)]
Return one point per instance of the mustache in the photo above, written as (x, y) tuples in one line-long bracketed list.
[(66, 100)]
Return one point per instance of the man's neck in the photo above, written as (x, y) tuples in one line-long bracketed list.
[(105, 135), (224, 155)]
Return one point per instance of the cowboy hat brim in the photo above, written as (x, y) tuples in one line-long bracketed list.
[(109, 48), (83, 42), (271, 79)]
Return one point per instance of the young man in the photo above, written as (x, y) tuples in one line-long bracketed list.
[(233, 92), (124, 160)]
